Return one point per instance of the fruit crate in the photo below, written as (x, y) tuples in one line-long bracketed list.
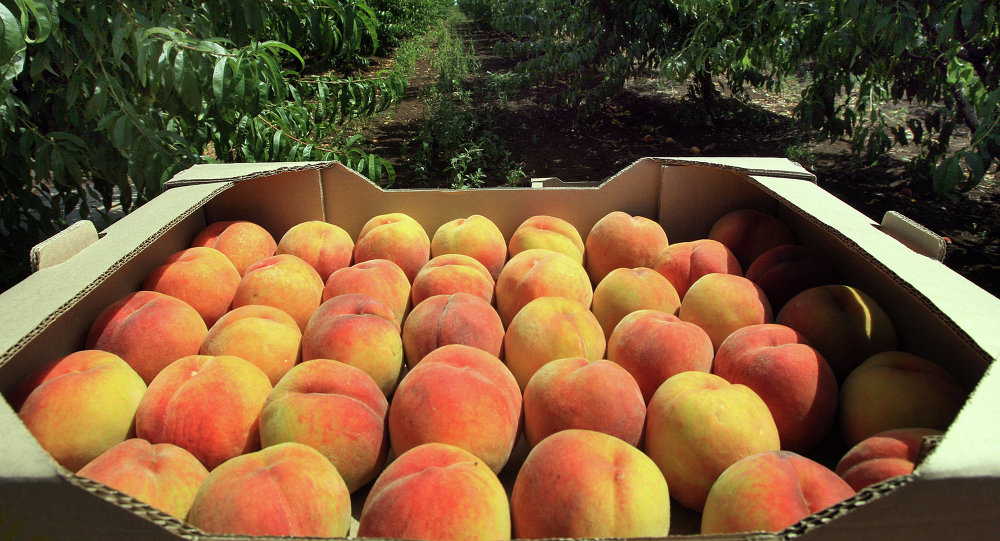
[(952, 493)]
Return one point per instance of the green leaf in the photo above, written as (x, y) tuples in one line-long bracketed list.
[(11, 35), (971, 17), (43, 16), (276, 45)]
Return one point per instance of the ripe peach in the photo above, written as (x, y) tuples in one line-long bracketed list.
[(264, 335), (379, 278), (581, 483), (787, 270), (462, 396), (653, 345), (547, 232), (289, 489), (436, 491), (749, 233), (623, 291), (243, 242), (684, 262), (335, 408), (550, 328), (460, 318), (396, 237), (202, 277), (791, 377), (697, 425), (207, 405), (149, 330), (883, 456), (540, 273), (894, 389), (721, 303), (620, 240), (163, 475), (475, 236), (283, 281), (770, 491), (80, 405), (452, 273), (326, 247)]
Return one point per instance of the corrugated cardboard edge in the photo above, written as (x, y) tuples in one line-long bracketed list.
[(135, 506), (62, 246), (238, 172)]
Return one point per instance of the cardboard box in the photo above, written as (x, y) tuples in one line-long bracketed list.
[(954, 493)]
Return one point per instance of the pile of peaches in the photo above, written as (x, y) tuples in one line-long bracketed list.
[(252, 386)]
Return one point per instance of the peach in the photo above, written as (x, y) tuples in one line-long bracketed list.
[(208, 405), (462, 396), (653, 345), (540, 273), (358, 330), (577, 393), (684, 262), (163, 475), (843, 323), (289, 489), (264, 335), (452, 273), (334, 408), (242, 241), (581, 483), (436, 491), (749, 233), (149, 330), (623, 291), (477, 237), (721, 303), (697, 425), (895, 389), (396, 237), (883, 456), (550, 328), (326, 247), (549, 233), (791, 377), (81, 405), (620, 240), (379, 278), (460, 318), (787, 270), (200, 276), (769, 492), (283, 281)]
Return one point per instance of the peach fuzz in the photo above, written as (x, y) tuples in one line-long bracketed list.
[(477, 237), (653, 345), (242, 241), (540, 273), (436, 491), (577, 393), (722, 303), (149, 330), (769, 492), (550, 328), (202, 277), (396, 237), (581, 483), (684, 262), (697, 425), (163, 475), (264, 335), (289, 489), (843, 323), (81, 405), (358, 330), (894, 389), (623, 291), (749, 233), (451, 319), (883, 456), (791, 377), (334, 408), (324, 246), (379, 278), (282, 281), (619, 240), (208, 405), (787, 270), (452, 273), (549, 233), (461, 396)]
